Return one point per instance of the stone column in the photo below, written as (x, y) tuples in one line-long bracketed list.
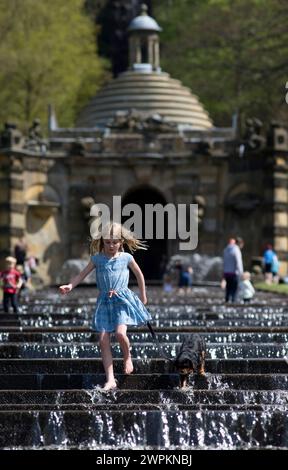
[(12, 220), (280, 213), (151, 50), (156, 61), (280, 196), (17, 207), (4, 207)]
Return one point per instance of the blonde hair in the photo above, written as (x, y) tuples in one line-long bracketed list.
[(11, 259), (246, 276), (116, 231)]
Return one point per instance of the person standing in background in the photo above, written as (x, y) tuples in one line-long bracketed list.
[(267, 263), (20, 251), (232, 269)]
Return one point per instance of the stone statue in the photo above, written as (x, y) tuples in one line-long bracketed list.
[(78, 147), (86, 204), (129, 120), (157, 123), (253, 140), (204, 148), (138, 121), (35, 132), (35, 137), (201, 201), (10, 136)]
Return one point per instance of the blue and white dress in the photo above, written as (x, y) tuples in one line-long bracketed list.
[(124, 307)]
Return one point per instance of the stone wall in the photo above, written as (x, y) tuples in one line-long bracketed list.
[(47, 198)]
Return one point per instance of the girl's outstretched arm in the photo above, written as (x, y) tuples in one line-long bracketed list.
[(140, 280), (66, 288)]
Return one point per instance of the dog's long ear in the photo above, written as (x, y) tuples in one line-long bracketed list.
[(203, 345), (176, 361), (195, 359)]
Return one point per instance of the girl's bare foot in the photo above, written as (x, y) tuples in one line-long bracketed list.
[(128, 365), (109, 385)]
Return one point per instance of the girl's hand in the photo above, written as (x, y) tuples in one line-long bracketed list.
[(65, 289), (143, 299)]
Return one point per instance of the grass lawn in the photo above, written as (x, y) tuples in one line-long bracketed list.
[(277, 288)]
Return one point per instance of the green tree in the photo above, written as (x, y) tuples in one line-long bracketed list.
[(48, 55), (232, 53)]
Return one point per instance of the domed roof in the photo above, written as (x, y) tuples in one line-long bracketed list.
[(150, 92), (144, 22)]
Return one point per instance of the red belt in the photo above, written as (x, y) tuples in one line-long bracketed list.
[(112, 292)]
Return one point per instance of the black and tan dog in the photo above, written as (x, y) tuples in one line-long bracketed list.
[(191, 358)]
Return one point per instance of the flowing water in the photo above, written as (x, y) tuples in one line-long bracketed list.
[(51, 376)]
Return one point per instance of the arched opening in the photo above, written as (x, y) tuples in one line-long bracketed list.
[(152, 261), (144, 52)]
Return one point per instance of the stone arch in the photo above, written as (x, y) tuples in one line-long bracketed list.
[(152, 261)]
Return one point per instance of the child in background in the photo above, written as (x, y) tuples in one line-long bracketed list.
[(11, 283), (246, 290), (167, 284), (275, 269), (185, 277)]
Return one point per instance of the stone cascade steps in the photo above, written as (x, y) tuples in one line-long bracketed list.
[(54, 336), (165, 319), (141, 366), (144, 429), (146, 351), (51, 375)]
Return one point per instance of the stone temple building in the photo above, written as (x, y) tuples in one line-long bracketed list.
[(147, 138)]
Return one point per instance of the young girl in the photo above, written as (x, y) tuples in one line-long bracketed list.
[(117, 306)]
